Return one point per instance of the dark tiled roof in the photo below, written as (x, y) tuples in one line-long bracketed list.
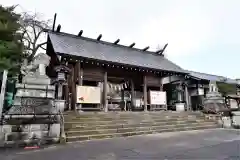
[(89, 48), (211, 77)]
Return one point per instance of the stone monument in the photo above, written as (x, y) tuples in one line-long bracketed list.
[(33, 116), (214, 102)]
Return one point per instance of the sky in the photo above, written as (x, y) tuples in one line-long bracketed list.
[(202, 35)]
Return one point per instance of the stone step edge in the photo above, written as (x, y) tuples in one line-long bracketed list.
[(139, 133), (123, 118), (137, 123), (130, 112), (143, 120), (130, 115), (142, 127)]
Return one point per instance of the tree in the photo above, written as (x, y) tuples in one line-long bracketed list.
[(226, 89), (33, 28), (11, 46)]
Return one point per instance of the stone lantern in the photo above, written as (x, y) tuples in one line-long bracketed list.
[(60, 81)]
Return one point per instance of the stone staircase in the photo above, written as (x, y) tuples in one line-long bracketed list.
[(89, 125)]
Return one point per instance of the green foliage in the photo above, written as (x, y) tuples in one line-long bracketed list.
[(11, 46), (225, 88)]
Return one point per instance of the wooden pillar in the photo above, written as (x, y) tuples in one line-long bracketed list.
[(105, 102), (67, 89), (73, 87), (132, 94), (161, 85), (186, 97), (145, 92), (123, 104), (79, 80)]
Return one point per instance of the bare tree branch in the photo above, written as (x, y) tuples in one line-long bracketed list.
[(41, 44), (43, 48), (33, 32)]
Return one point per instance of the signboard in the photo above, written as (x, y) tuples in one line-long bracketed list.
[(88, 94), (137, 102), (200, 91), (157, 97)]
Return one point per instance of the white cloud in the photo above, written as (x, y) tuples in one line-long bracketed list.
[(185, 32)]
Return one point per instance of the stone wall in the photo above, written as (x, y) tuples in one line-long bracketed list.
[(29, 133)]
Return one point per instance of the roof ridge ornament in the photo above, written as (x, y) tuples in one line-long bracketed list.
[(131, 46), (80, 33), (162, 50), (58, 28), (146, 48), (116, 42), (99, 37)]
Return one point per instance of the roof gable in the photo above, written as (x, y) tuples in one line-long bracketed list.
[(89, 48), (211, 77)]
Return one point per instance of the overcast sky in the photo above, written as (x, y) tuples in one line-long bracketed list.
[(203, 35)]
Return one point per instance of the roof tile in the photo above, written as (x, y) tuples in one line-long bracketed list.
[(89, 48)]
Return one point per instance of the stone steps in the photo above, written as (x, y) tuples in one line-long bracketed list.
[(127, 118), (88, 126), (79, 125), (132, 128), (127, 125), (142, 132), (132, 121)]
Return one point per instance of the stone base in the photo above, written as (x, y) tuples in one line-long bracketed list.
[(60, 105), (29, 134)]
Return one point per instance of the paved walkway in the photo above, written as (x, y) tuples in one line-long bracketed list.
[(216, 144)]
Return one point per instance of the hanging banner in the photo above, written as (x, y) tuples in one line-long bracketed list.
[(158, 97), (88, 94)]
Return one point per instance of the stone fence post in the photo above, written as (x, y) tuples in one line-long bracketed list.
[(2, 93)]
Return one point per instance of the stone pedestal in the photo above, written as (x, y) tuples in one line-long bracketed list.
[(33, 116), (180, 107), (60, 105)]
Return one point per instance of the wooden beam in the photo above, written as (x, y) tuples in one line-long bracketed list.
[(145, 92)]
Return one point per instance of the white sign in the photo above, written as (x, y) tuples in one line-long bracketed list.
[(200, 91), (137, 102), (158, 97), (88, 94)]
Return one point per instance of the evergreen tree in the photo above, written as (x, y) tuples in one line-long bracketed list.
[(11, 46)]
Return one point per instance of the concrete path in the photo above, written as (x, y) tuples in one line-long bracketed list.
[(215, 144)]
